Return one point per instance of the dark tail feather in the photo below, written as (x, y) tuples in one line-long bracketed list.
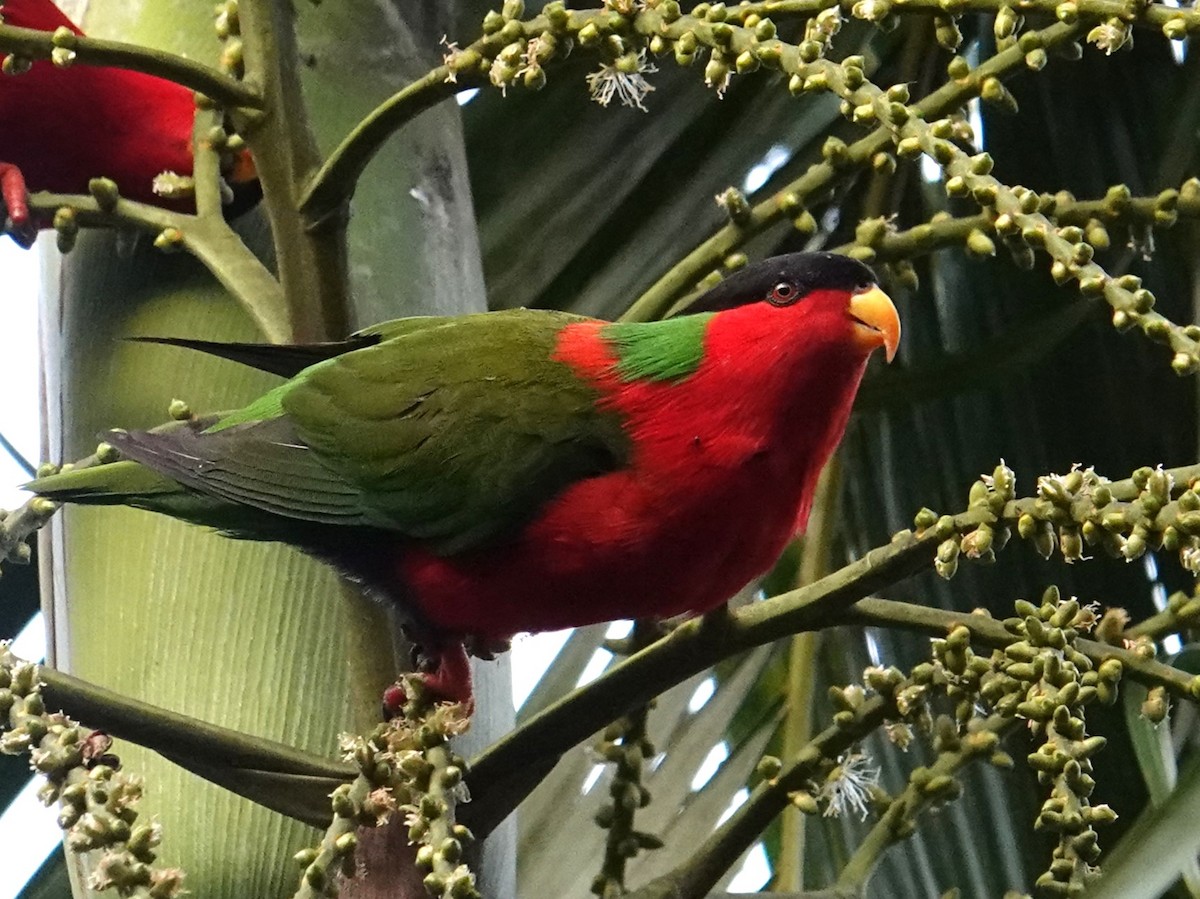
[(286, 360)]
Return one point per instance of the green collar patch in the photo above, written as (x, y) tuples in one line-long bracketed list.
[(669, 350)]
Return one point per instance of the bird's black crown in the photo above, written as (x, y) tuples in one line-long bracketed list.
[(805, 272)]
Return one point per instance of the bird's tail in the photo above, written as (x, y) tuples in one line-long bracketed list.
[(129, 483), (115, 483)]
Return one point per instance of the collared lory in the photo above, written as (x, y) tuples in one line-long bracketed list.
[(61, 126), (530, 470)]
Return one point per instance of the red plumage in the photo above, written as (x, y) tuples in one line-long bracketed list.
[(724, 468), (61, 127)]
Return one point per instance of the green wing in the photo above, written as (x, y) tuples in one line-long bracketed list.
[(453, 431)]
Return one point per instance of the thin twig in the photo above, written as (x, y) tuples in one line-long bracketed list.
[(312, 265), (34, 44), (210, 240), (705, 867)]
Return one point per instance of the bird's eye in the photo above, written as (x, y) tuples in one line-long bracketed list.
[(782, 294)]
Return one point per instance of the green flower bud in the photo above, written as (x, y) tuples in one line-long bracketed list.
[(946, 570), (534, 78), (805, 224), (770, 55), (804, 801), (1096, 234), (993, 89), (494, 21), (67, 227), (948, 36), (956, 186), (864, 114), (984, 194), (1006, 23), (105, 192), (1175, 28), (169, 240), (1070, 544), (769, 767), (746, 62), (835, 151), (716, 73), (1184, 364), (810, 51), (1067, 12)]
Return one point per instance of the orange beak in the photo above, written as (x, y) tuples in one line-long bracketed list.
[(877, 324)]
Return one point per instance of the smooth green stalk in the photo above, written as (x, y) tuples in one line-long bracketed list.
[(206, 166), (816, 552), (209, 239), (290, 781), (705, 867), (326, 192), (898, 822), (990, 632), (1152, 14), (946, 231), (32, 44), (312, 263)]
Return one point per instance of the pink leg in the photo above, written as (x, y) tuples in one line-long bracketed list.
[(448, 681), (15, 197), (451, 680)]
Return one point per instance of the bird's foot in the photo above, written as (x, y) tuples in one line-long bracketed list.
[(15, 196), (441, 676)]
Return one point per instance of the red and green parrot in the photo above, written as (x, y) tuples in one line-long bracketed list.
[(517, 471), (62, 126)]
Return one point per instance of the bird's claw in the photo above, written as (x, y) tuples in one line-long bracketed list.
[(444, 676)]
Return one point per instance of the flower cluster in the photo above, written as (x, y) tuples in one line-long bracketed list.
[(406, 767), (97, 800)]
